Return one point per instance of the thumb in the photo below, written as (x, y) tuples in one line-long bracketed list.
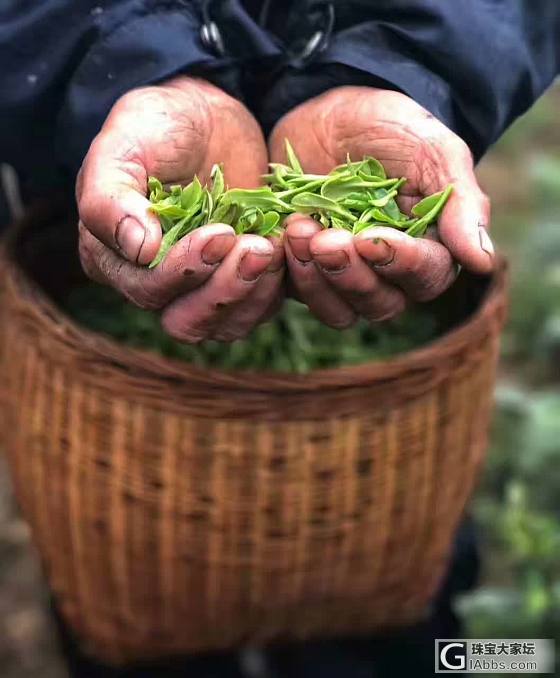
[(463, 225), (112, 204)]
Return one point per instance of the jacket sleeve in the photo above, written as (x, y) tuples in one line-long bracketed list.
[(474, 64), (64, 63)]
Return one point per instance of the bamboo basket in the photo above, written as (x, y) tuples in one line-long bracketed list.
[(183, 510)]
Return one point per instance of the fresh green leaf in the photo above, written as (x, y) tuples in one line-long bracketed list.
[(426, 204), (419, 228), (310, 202), (218, 184), (372, 168), (168, 210), (191, 194), (270, 224), (293, 159), (264, 198), (169, 239)]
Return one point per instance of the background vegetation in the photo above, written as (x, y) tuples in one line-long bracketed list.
[(518, 503)]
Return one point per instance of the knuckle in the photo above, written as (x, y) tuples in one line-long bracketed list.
[(108, 267), (362, 289), (306, 279), (141, 288), (145, 298)]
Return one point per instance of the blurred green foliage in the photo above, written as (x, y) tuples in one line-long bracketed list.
[(294, 341), (518, 504)]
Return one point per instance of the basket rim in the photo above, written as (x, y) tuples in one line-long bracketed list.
[(490, 312)]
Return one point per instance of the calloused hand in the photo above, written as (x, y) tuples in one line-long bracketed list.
[(373, 275), (212, 284)]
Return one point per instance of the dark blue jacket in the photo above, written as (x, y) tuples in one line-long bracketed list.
[(475, 64)]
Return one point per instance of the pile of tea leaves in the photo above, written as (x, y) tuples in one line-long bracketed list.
[(353, 196)]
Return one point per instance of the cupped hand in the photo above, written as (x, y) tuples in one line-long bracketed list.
[(376, 273), (212, 284)]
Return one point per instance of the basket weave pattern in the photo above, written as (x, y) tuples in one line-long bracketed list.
[(178, 509)]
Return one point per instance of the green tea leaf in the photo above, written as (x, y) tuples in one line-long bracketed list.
[(168, 240), (340, 223), (154, 184), (155, 189), (307, 186), (372, 168), (419, 228), (392, 210), (264, 198), (218, 184), (270, 224), (293, 159), (294, 180), (207, 206), (191, 194), (168, 210), (166, 222), (381, 215), (224, 213), (324, 220), (250, 221), (340, 187), (381, 197), (426, 204), (310, 202)]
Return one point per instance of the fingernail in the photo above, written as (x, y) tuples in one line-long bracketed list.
[(216, 249), (130, 236), (485, 242), (332, 262), (300, 249), (253, 265), (379, 252)]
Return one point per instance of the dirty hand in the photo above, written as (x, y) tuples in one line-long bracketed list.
[(373, 275), (212, 284)]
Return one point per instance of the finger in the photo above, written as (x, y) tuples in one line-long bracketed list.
[(463, 224), (309, 285), (195, 316), (187, 266), (111, 196), (259, 306), (361, 288), (422, 267)]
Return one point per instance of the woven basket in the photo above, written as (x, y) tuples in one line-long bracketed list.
[(182, 510)]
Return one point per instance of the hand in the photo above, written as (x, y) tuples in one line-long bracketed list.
[(207, 285), (376, 273)]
